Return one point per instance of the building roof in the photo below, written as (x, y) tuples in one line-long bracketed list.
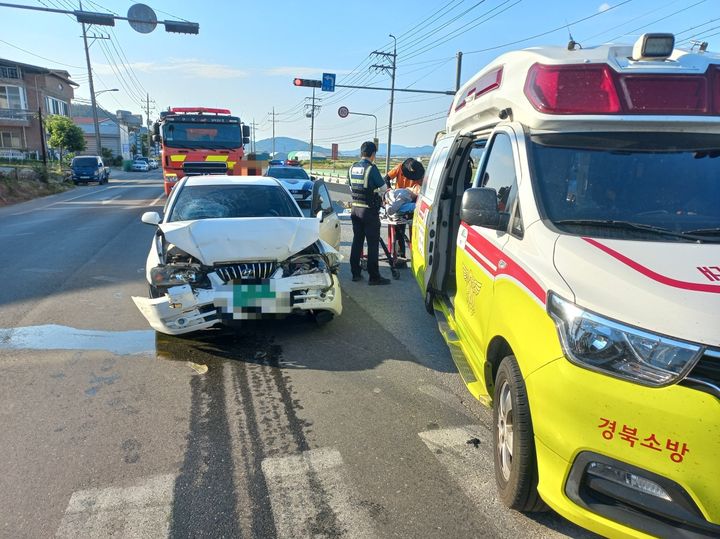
[(29, 68)]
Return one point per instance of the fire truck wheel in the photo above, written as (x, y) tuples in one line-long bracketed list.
[(430, 302), (516, 472)]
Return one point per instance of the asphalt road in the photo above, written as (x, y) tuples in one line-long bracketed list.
[(280, 429)]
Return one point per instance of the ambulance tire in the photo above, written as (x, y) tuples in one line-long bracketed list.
[(515, 460)]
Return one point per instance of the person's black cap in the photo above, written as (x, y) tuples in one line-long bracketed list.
[(368, 148)]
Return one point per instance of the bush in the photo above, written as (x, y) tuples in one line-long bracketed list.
[(117, 161), (127, 165)]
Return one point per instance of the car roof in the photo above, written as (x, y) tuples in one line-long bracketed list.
[(230, 180)]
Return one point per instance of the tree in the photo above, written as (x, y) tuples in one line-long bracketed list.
[(65, 136), (106, 154)]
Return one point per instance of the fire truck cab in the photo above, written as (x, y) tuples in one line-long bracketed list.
[(567, 238), (199, 140)]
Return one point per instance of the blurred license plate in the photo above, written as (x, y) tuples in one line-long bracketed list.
[(298, 196), (252, 295)]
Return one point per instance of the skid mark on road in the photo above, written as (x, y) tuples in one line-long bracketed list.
[(292, 482), (141, 510)]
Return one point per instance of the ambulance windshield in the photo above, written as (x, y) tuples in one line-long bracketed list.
[(607, 183)]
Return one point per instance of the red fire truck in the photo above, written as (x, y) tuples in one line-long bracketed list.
[(198, 140)]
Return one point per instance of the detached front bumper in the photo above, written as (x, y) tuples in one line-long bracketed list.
[(184, 309)]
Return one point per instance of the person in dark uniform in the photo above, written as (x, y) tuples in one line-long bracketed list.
[(367, 186)]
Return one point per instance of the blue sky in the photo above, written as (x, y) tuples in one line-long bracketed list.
[(247, 53)]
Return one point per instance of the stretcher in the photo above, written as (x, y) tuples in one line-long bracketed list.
[(399, 232)]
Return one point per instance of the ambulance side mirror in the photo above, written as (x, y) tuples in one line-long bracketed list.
[(479, 207)]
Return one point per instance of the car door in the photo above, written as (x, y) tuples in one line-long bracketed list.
[(330, 223), (440, 194), (480, 250)]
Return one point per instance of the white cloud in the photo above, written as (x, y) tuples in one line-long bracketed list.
[(188, 67), (603, 7)]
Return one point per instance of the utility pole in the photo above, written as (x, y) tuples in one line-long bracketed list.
[(391, 70), (42, 136), (458, 71), (273, 135), (254, 126), (93, 102), (147, 115), (313, 110)]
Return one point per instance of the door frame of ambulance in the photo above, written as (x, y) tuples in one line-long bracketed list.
[(438, 197), (330, 223)]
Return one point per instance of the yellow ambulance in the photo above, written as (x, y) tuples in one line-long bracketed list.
[(567, 238)]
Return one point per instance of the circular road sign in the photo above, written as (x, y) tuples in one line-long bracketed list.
[(142, 18), (343, 112)]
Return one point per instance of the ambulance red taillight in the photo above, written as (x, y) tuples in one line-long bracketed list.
[(572, 89), (597, 89)]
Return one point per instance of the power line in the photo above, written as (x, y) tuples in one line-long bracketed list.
[(660, 19), (38, 56), (642, 15), (541, 34), (458, 32)]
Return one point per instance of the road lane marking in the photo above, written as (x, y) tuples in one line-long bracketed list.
[(472, 468), (155, 202), (142, 510), (311, 498), (109, 200)]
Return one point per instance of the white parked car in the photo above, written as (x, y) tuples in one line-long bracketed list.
[(232, 248), (140, 166)]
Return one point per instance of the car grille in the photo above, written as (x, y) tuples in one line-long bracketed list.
[(705, 375), (252, 270), (195, 168)]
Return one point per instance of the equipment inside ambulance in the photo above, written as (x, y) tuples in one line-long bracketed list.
[(567, 238)]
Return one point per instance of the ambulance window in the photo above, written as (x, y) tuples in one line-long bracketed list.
[(435, 167), (499, 174)]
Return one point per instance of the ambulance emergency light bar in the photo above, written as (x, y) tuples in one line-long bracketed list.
[(653, 47)]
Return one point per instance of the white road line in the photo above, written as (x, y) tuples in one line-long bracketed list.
[(109, 200), (472, 469), (303, 487), (155, 202), (142, 510)]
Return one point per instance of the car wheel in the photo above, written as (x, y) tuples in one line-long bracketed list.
[(430, 302), (515, 459), (323, 317), (154, 292)]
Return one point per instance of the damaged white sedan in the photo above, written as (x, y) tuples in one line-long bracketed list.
[(233, 248)]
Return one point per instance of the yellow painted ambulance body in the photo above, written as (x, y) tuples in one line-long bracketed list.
[(567, 238)]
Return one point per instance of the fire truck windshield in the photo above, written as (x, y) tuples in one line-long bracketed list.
[(202, 135)]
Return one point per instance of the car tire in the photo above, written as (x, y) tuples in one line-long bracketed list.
[(430, 302), (514, 454), (154, 292), (323, 317)]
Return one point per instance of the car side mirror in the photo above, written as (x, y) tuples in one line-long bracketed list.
[(320, 216), (479, 207), (151, 218)]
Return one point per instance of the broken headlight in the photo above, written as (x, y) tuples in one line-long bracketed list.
[(176, 274), (304, 264)]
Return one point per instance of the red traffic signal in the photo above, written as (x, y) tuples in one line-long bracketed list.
[(308, 82)]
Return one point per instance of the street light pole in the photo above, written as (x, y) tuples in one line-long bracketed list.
[(98, 144)]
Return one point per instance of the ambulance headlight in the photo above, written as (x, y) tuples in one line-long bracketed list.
[(604, 345)]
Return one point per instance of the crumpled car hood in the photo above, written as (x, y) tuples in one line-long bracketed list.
[(253, 239)]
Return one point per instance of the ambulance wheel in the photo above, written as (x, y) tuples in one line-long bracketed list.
[(516, 472), (430, 302)]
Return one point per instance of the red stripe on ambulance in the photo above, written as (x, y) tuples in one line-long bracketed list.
[(503, 264)]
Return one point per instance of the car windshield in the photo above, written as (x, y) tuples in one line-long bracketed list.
[(84, 162), (288, 173), (202, 135), (195, 202), (665, 181)]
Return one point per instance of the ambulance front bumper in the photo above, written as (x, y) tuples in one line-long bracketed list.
[(626, 460)]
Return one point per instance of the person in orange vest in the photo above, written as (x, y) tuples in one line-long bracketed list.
[(407, 175)]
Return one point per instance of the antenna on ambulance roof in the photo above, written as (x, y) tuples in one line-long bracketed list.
[(572, 44)]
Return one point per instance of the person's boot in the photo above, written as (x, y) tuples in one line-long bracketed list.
[(378, 281)]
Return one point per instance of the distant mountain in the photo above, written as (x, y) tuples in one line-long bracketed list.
[(79, 111), (288, 144)]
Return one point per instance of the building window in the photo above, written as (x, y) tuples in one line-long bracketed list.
[(55, 106), (12, 97), (9, 140), (8, 72)]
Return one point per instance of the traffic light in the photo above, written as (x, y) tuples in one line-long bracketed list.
[(308, 82), (182, 27)]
